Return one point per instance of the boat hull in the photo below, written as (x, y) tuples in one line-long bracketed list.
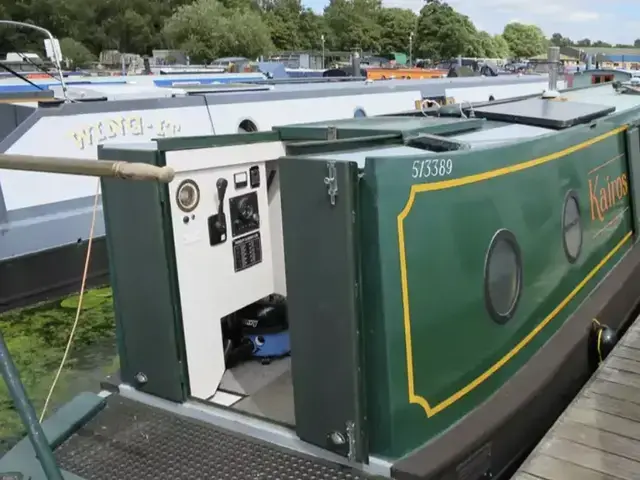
[(439, 379), (498, 433), (502, 430), (41, 276)]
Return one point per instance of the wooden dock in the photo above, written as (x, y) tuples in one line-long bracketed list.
[(598, 435)]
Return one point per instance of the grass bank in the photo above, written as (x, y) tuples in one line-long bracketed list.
[(37, 337)]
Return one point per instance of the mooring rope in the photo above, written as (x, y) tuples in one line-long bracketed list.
[(79, 309)]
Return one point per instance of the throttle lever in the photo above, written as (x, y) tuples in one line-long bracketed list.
[(218, 222), (221, 186)]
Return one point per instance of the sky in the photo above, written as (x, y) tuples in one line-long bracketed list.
[(613, 21)]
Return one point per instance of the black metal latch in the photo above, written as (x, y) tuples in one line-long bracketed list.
[(331, 182)]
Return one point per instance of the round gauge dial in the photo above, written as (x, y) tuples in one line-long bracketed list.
[(188, 196), (245, 208)]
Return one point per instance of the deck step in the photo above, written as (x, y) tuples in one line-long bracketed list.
[(129, 440)]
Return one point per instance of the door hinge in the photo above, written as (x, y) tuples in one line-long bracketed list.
[(331, 182), (338, 439), (351, 438)]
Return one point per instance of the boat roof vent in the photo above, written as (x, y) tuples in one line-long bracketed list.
[(544, 113)]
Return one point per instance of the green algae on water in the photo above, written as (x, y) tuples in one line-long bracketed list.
[(90, 300), (37, 337)]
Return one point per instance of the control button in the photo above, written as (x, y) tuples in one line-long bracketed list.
[(254, 177)]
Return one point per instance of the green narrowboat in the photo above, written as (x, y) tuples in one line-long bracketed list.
[(409, 297)]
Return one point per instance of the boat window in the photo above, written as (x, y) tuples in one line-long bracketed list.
[(247, 126), (571, 227), (359, 113), (595, 79), (502, 276)]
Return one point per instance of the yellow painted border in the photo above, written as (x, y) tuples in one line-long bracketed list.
[(458, 182)]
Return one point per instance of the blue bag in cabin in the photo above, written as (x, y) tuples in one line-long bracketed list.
[(265, 325)]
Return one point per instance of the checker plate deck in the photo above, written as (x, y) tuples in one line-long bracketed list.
[(128, 440)]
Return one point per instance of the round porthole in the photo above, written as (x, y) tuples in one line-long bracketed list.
[(571, 227), (502, 276), (247, 126), (359, 113), (188, 196)]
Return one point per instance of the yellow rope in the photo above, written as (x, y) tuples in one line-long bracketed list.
[(79, 309), (599, 346)]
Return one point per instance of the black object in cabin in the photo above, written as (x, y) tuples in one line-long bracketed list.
[(259, 330)]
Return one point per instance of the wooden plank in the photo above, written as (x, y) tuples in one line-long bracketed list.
[(549, 468), (615, 390), (603, 421), (19, 100), (593, 401), (629, 353), (623, 364), (591, 458), (598, 435), (599, 440), (619, 376), (525, 476), (631, 339)]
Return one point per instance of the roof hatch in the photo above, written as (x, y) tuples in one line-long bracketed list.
[(556, 114)]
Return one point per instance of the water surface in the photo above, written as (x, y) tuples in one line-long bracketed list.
[(37, 337)]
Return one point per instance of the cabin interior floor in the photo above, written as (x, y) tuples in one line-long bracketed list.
[(262, 390)]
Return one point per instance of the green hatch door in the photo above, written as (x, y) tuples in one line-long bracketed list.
[(322, 268)]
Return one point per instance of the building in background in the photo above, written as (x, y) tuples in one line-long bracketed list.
[(623, 58)]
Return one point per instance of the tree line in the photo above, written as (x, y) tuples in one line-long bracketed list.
[(559, 40), (208, 29)]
